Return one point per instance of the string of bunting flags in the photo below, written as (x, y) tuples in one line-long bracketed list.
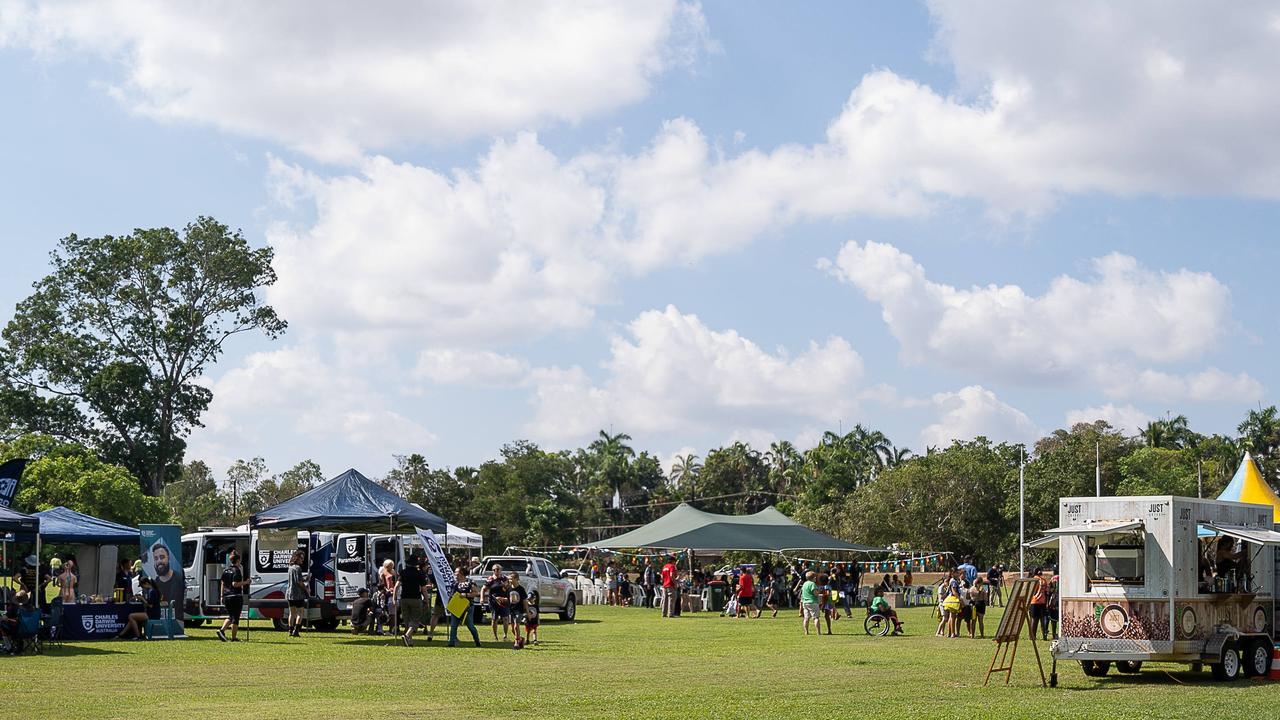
[(580, 552), (914, 563)]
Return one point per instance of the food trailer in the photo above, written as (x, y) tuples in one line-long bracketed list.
[(1165, 579)]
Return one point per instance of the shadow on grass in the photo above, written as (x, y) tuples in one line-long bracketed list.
[(420, 642), (1151, 678), (68, 650)]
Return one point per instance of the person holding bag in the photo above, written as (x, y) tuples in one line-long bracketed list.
[(467, 590)]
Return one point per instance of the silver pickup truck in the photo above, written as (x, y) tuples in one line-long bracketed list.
[(550, 592)]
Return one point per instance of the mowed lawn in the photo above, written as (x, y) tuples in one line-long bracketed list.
[(612, 662)]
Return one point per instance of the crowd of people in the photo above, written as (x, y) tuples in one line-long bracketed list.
[(406, 600)]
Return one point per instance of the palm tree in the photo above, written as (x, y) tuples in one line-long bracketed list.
[(784, 464), (684, 471), (899, 456), (1155, 434)]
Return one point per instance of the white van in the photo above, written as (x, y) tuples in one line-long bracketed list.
[(204, 556)]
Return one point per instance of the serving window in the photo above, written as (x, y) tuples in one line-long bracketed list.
[(1118, 559)]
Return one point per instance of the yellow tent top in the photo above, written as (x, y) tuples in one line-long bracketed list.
[(1248, 486)]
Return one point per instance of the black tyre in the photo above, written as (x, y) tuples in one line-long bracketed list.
[(1129, 667), (876, 625), (325, 625), (193, 623), (1095, 668), (570, 609), (1257, 658), (1228, 666), (279, 624)]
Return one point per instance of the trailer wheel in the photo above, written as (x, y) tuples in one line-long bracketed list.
[(1095, 668), (325, 625), (1257, 658), (279, 624), (1129, 667), (1228, 666)]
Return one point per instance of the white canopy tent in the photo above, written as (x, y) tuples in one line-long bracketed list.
[(457, 537)]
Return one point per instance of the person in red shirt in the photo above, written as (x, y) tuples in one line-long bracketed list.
[(670, 597), (746, 593)]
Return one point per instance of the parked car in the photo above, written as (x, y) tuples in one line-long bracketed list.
[(542, 580)]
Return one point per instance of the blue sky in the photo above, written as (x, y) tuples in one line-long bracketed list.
[(692, 223)]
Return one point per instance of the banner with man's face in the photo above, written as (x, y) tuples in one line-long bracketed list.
[(161, 554)]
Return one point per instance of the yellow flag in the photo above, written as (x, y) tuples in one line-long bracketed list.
[(458, 605)]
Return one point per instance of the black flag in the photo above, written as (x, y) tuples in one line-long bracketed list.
[(10, 474)]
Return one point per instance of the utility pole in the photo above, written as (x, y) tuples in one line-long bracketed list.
[(1199, 478), (1022, 512), (1097, 468)]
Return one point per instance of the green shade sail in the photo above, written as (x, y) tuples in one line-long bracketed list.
[(765, 531)]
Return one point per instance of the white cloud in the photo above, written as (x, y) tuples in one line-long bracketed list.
[(1207, 386), (1125, 418), (474, 367), (1078, 330), (333, 79), (502, 253), (672, 373), (973, 411), (297, 391)]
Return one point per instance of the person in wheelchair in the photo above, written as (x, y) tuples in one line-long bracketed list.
[(879, 606)]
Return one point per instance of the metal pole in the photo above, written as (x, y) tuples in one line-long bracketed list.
[(1097, 468), (1022, 512), (1199, 479)]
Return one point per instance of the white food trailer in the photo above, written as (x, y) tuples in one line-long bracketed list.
[(1165, 579)]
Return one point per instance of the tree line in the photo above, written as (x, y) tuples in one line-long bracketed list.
[(857, 486)]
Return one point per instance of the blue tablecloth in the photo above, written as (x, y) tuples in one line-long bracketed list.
[(96, 622)]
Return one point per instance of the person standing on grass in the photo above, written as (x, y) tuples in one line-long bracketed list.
[(1051, 610), (611, 578), (848, 589), (979, 596), (809, 603), (517, 608), (466, 589), (387, 587), (296, 593), (233, 583), (413, 587), (1039, 600), (495, 590), (670, 595), (746, 593), (773, 597), (648, 579), (970, 571)]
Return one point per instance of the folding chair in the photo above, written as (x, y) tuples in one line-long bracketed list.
[(51, 632), (29, 632)]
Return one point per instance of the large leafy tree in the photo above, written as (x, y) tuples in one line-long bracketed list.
[(442, 492), (109, 349), (73, 476), (1260, 435), (194, 500)]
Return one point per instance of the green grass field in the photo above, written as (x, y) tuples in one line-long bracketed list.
[(612, 662)]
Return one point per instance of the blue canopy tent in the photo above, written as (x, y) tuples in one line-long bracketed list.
[(64, 525), (350, 502), (16, 526), (22, 526)]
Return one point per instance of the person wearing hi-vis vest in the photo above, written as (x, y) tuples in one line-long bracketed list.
[(467, 591)]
